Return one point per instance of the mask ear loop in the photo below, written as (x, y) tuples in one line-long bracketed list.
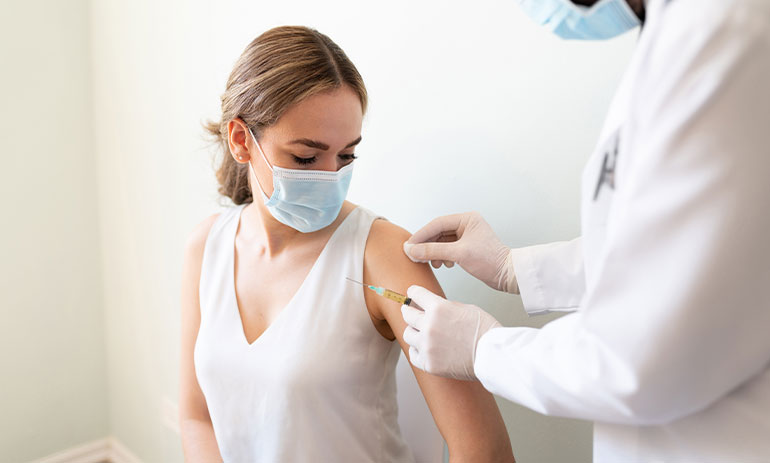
[(251, 168)]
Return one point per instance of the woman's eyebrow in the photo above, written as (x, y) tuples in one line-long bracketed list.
[(319, 145)]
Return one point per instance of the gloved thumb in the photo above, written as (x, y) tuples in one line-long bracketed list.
[(414, 358), (424, 298), (426, 252)]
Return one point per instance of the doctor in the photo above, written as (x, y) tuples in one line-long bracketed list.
[(667, 347)]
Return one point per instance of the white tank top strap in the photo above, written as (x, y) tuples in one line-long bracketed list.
[(216, 257)]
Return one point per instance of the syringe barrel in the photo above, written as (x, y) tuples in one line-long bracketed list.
[(394, 296)]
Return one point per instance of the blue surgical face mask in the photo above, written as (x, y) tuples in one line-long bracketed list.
[(305, 200), (603, 20)]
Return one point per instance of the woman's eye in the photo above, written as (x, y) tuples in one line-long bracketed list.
[(304, 161), (348, 157)]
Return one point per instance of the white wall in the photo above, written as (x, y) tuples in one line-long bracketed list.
[(53, 391), (472, 107)]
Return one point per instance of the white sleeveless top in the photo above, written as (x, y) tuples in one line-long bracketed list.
[(319, 384)]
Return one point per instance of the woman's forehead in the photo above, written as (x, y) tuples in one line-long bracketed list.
[(331, 118)]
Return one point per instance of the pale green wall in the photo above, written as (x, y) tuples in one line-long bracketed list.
[(53, 392)]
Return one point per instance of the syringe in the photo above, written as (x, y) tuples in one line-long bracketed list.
[(392, 295)]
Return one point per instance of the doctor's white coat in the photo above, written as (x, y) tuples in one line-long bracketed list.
[(668, 347)]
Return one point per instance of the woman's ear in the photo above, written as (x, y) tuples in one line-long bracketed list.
[(237, 139)]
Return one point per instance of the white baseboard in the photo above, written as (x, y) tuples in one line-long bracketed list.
[(107, 450), (120, 454)]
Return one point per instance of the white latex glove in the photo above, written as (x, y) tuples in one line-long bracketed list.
[(442, 337), (466, 239)]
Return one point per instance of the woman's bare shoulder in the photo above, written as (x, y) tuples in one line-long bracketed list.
[(385, 264), (196, 240), (386, 236), (385, 249), (191, 268), (385, 253)]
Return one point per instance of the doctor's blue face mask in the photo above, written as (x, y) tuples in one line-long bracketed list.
[(305, 200), (603, 20)]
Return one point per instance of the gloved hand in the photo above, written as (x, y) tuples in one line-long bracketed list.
[(468, 240), (442, 337)]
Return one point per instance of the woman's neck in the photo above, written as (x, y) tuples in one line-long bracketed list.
[(261, 226)]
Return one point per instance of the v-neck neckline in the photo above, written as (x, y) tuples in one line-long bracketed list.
[(280, 315)]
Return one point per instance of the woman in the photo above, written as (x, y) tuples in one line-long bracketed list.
[(283, 359)]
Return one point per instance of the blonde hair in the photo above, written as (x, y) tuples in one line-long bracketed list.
[(278, 69)]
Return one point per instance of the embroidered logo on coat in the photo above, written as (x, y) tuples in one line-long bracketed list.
[(607, 172)]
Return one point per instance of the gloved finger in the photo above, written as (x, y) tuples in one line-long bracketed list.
[(412, 336), (446, 251), (424, 298), (415, 359), (413, 317), (408, 252), (440, 226), (439, 263)]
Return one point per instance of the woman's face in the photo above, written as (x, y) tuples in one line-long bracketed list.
[(319, 133)]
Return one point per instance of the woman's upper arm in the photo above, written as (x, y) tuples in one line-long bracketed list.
[(465, 413), (192, 404)]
